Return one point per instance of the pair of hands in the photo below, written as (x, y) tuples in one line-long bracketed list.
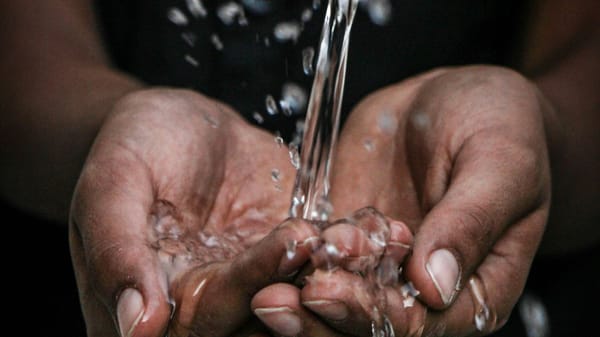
[(173, 221)]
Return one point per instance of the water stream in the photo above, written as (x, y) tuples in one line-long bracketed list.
[(310, 199)]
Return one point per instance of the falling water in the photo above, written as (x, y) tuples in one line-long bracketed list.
[(310, 199)]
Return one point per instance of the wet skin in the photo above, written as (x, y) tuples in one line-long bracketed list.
[(168, 165)]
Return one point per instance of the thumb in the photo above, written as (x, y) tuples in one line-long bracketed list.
[(485, 198), (209, 296), (123, 291)]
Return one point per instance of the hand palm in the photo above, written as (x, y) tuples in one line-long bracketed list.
[(190, 193)]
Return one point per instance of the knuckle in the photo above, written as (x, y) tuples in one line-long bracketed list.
[(477, 225)]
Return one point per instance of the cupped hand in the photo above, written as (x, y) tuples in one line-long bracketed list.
[(459, 156), (169, 215)]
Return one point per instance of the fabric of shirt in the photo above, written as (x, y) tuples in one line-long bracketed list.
[(253, 63)]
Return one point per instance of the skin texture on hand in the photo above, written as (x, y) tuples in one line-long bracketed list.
[(169, 215), (459, 155)]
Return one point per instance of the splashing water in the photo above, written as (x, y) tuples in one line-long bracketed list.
[(308, 55), (310, 198), (287, 31), (176, 16), (231, 11), (196, 7)]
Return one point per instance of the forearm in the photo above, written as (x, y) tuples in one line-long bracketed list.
[(572, 88), (55, 91), (569, 79)]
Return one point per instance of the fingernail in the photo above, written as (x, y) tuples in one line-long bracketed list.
[(333, 310), (282, 320), (130, 310), (445, 273)]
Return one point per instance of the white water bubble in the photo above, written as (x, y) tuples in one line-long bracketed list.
[(294, 97), (176, 16), (306, 15), (191, 60), (308, 57), (196, 7), (290, 249), (380, 11), (285, 108), (189, 38), (258, 117), (300, 126), (387, 123), (297, 200), (409, 289), (275, 175), (294, 156), (332, 250), (216, 41), (316, 4), (421, 121), (534, 316), (408, 302), (231, 11), (271, 105), (324, 209), (212, 121), (369, 145), (279, 141), (287, 31), (258, 6)]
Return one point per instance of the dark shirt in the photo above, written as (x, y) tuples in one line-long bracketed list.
[(420, 35)]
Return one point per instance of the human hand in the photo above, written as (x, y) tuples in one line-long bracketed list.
[(169, 214), (459, 155)]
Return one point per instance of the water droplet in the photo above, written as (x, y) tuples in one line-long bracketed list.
[(369, 145), (258, 6), (290, 251), (242, 20), (230, 12), (189, 38), (287, 31), (380, 11), (316, 4), (271, 105), (308, 55), (324, 209), (216, 41), (294, 156), (534, 316), (484, 319), (307, 14), (285, 108), (279, 141), (211, 121), (421, 121), (275, 175), (332, 250), (294, 96), (267, 42), (258, 117), (387, 123), (176, 16), (196, 7), (408, 289), (297, 201), (191, 60)]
